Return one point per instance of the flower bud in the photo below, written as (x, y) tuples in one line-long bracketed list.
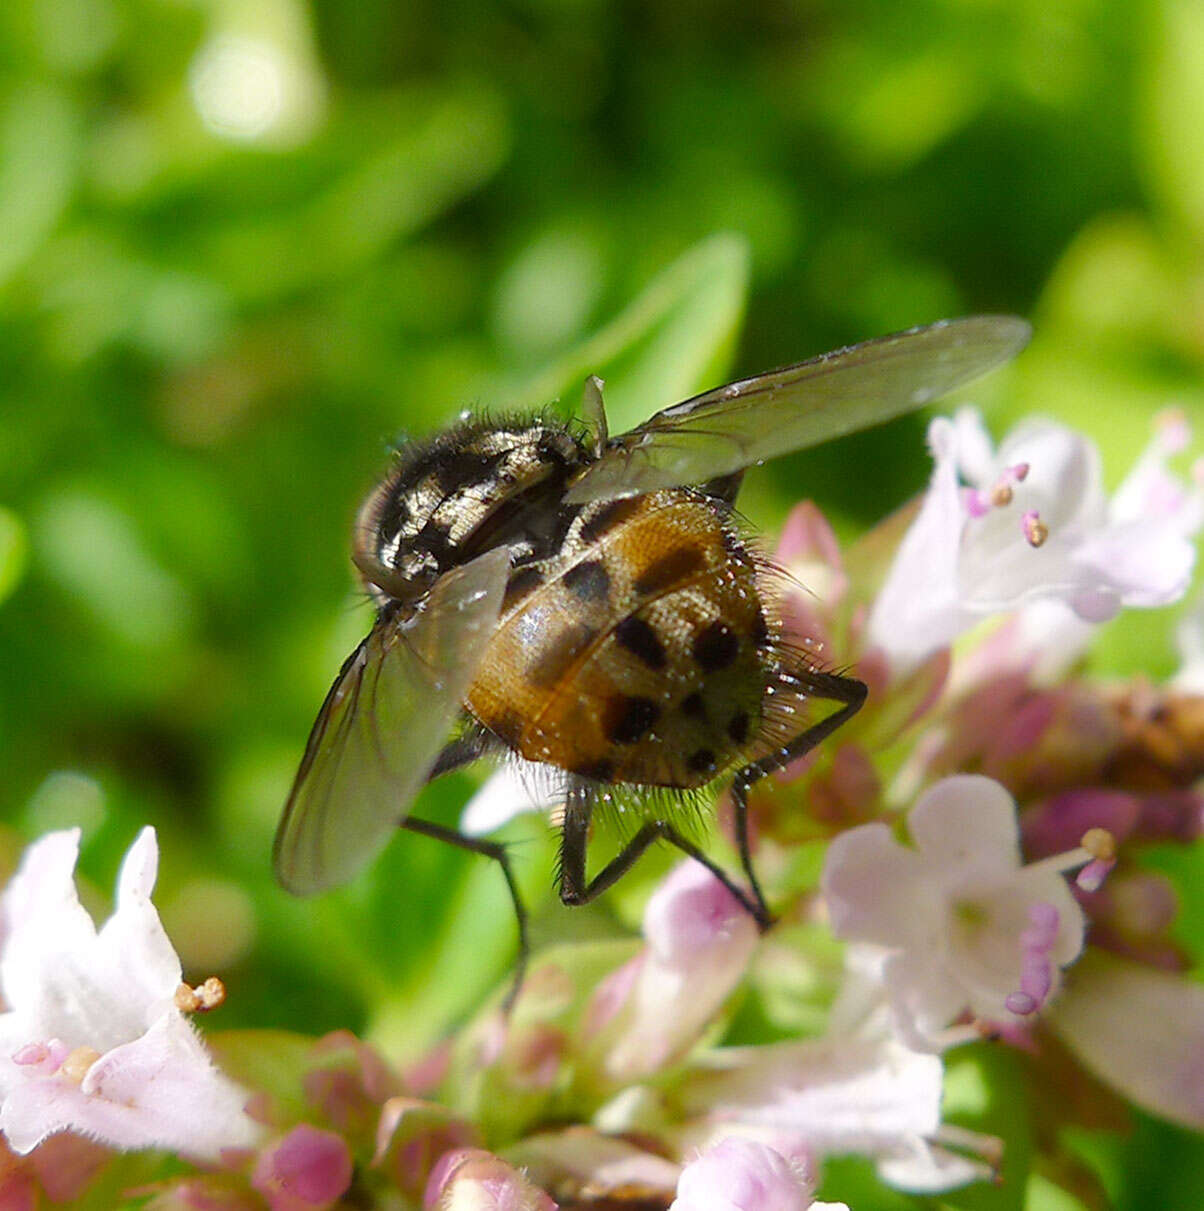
[(308, 1169), (472, 1179), (742, 1175)]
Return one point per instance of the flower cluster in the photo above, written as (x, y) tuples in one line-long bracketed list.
[(979, 831)]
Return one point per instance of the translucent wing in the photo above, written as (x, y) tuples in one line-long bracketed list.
[(759, 418), (382, 726)]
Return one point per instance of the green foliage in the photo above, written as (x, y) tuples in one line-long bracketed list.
[(216, 312)]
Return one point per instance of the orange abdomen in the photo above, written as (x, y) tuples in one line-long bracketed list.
[(637, 653)]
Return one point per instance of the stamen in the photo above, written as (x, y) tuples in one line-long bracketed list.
[(1101, 845), (46, 1056), (976, 504), (1092, 876), (75, 1066), (1035, 530), (202, 998), (1019, 472), (1096, 855), (955, 1036), (1001, 494), (1036, 970)]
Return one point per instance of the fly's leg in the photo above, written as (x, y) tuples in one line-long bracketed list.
[(576, 888), (832, 688), (459, 752), (496, 851)]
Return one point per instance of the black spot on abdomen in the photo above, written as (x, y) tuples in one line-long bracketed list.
[(716, 646), (459, 468), (670, 570), (737, 727), (628, 719), (521, 584), (602, 770), (610, 515), (640, 640), (558, 653), (588, 581), (701, 761)]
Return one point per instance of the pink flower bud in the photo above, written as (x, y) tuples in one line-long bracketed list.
[(307, 1170), (472, 1179), (411, 1136), (698, 941), (690, 912), (742, 1175)]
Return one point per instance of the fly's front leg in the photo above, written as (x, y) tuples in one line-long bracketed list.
[(829, 686)]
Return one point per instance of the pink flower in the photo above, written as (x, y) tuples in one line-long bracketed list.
[(1033, 525), (698, 942), (743, 1175), (963, 924), (93, 1041)]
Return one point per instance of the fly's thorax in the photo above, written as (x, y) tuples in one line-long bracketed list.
[(473, 488), (637, 653)]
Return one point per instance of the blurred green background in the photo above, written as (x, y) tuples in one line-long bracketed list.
[(245, 244)]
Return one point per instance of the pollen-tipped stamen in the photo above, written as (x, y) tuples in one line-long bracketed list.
[(1035, 530)]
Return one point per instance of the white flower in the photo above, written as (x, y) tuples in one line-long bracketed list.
[(93, 1041), (858, 1090), (966, 927), (1032, 523), (1140, 1030), (743, 1175)]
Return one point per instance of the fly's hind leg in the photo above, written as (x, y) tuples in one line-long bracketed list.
[(457, 753), (576, 888), (496, 851), (832, 688)]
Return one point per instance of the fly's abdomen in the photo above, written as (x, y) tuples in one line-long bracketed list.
[(637, 655)]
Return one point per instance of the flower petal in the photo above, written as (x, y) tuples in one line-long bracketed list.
[(162, 1091), (875, 890), (835, 1095), (514, 789), (1140, 1030), (917, 609), (741, 1175), (966, 822)]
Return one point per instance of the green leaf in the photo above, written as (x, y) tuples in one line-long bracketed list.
[(39, 151), (1043, 1195), (14, 551), (451, 140), (1174, 109), (675, 339)]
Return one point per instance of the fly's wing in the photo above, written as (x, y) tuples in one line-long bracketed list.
[(732, 427), (382, 727)]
